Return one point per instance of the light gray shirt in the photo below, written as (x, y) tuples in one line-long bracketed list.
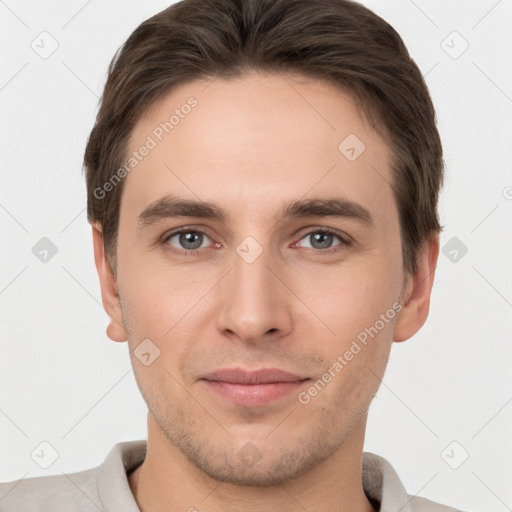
[(106, 488)]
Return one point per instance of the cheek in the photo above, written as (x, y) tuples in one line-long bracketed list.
[(164, 306), (154, 294), (348, 299)]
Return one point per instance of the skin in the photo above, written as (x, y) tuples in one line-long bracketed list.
[(251, 145)]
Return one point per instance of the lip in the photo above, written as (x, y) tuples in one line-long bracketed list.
[(253, 387), (261, 376)]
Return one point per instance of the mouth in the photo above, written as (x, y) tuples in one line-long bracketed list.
[(253, 388)]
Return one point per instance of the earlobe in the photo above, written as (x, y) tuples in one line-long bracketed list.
[(109, 294), (416, 296)]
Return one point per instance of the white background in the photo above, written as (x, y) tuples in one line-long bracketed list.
[(63, 381)]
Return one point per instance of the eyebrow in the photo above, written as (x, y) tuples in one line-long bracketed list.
[(172, 207)]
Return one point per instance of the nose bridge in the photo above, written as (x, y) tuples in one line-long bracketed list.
[(251, 275), (253, 297)]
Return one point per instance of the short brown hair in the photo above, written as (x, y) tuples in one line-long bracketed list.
[(339, 41)]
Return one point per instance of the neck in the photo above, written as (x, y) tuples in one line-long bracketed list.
[(166, 480)]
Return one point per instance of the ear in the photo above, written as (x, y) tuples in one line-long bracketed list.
[(417, 290), (109, 294)]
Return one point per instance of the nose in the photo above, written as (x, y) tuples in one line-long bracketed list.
[(256, 305)]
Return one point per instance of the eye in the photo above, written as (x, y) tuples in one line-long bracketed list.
[(323, 240), (187, 240)]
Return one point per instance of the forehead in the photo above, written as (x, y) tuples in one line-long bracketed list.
[(260, 140)]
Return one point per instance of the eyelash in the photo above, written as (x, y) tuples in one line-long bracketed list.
[(345, 241)]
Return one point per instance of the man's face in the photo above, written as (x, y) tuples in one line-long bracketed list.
[(257, 290)]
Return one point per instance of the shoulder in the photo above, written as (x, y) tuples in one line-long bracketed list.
[(104, 487), (418, 504), (55, 493)]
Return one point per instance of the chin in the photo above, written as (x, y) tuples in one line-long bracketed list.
[(258, 462)]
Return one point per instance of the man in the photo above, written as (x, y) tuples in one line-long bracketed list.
[(262, 186)]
